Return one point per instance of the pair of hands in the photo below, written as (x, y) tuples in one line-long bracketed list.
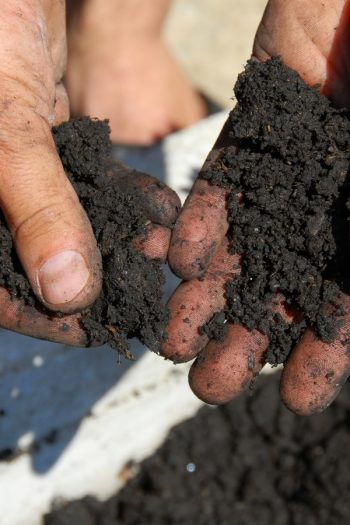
[(53, 237)]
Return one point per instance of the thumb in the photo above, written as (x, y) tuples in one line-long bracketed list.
[(51, 232)]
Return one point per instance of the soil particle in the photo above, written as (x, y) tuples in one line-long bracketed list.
[(287, 171), (130, 304), (258, 464)]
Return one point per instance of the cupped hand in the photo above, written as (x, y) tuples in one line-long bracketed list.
[(52, 235), (51, 232), (159, 205), (312, 38)]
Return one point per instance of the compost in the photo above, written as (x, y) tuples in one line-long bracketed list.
[(130, 304), (286, 171), (248, 462)]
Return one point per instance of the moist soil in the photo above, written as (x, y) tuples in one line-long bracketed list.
[(250, 462), (286, 169), (130, 304)]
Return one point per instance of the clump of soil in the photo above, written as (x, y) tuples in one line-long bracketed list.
[(258, 464), (131, 300), (287, 174)]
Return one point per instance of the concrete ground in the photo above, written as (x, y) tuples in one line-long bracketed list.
[(212, 40)]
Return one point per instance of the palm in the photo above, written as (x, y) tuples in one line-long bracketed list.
[(311, 37)]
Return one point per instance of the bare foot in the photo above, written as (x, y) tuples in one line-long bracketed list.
[(127, 74)]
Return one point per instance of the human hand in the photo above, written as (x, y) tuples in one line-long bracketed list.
[(120, 67), (42, 210), (158, 206), (52, 235), (310, 38)]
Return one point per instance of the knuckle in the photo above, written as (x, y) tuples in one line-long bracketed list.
[(42, 221)]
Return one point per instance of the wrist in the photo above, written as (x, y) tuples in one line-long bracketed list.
[(122, 20)]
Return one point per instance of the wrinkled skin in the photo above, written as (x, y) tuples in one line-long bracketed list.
[(312, 37), (160, 205), (39, 203), (40, 206)]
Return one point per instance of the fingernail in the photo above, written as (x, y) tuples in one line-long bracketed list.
[(63, 277)]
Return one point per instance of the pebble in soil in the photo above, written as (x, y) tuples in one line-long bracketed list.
[(131, 301), (286, 171)]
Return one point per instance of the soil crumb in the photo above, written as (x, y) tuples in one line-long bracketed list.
[(287, 174), (259, 464), (130, 304)]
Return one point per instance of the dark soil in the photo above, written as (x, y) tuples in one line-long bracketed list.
[(289, 160), (131, 300), (250, 462)]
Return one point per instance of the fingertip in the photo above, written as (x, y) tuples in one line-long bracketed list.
[(194, 303), (314, 375), (208, 387), (199, 230), (306, 403), (187, 314), (27, 320), (225, 369), (69, 281), (202, 224), (154, 244), (161, 204), (189, 259)]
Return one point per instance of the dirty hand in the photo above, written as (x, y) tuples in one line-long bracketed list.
[(312, 38), (51, 232)]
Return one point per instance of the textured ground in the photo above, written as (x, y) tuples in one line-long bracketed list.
[(251, 462)]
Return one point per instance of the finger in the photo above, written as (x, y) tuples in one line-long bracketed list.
[(202, 224), (51, 232), (161, 205), (224, 369), (27, 320), (194, 303), (154, 244), (316, 370)]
